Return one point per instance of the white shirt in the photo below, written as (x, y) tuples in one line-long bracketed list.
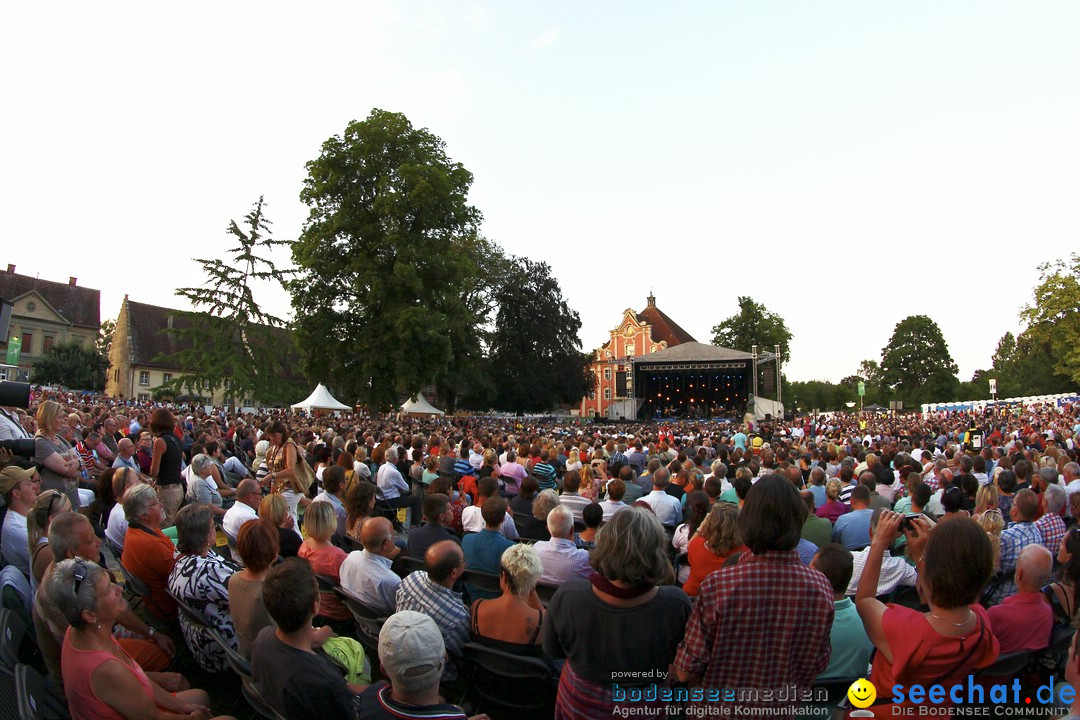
[(668, 510), (368, 576), (895, 571), (390, 482), (473, 521), (562, 561), (235, 517), (611, 507), (15, 547), (116, 527), (10, 428)]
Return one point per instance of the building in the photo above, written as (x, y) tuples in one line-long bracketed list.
[(45, 313), (139, 359), (637, 334)]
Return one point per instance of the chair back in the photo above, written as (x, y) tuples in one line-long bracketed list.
[(1008, 665), (369, 622), (36, 698), (13, 646), (326, 582), (195, 617), (546, 592), (488, 582), (410, 564), (510, 685)]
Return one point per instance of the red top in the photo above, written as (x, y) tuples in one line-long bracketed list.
[(78, 666), (702, 562), (921, 655), (1022, 622), (327, 561), (150, 556)]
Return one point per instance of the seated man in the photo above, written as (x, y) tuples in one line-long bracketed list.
[(570, 496), (484, 549), (895, 571), (560, 558), (298, 682), (851, 647), (20, 487), (367, 574), (412, 655), (431, 592), (1023, 621), (248, 497), (852, 530), (471, 517), (438, 514), (667, 508), (616, 490)]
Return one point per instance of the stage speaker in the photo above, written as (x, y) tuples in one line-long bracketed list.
[(768, 417)]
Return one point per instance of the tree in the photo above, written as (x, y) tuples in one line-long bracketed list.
[(229, 341), (390, 263), (1053, 318), (1026, 365), (104, 338), (536, 337), (753, 325), (71, 365), (916, 363)]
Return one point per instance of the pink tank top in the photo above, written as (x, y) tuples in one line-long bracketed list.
[(78, 665)]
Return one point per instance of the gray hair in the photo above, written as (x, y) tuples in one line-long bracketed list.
[(137, 500), (1049, 475), (631, 548), (560, 521), (1072, 468), (391, 455), (61, 590), (523, 568), (1055, 499), (62, 540), (193, 524), (544, 503), (200, 463)]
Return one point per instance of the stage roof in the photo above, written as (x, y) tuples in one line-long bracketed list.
[(691, 352)]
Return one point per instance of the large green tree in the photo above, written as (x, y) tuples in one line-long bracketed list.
[(754, 324), (1053, 316), (536, 359), (916, 365), (390, 295), (229, 341), (1027, 365), (71, 365)]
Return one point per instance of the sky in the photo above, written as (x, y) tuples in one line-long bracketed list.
[(845, 163)]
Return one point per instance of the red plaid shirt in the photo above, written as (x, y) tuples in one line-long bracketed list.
[(760, 625)]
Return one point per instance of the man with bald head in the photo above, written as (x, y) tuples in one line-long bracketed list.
[(248, 497), (366, 573), (431, 592), (1023, 621), (125, 455)]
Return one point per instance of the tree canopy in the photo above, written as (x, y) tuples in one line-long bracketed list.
[(229, 341), (1053, 316), (389, 294), (535, 337), (754, 324), (71, 365), (916, 365)]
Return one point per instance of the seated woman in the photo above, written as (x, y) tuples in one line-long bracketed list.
[(953, 639), (534, 526), (833, 508), (359, 502), (592, 515), (512, 621), (148, 554), (105, 499), (200, 580), (521, 504), (320, 522), (101, 681), (202, 487), (716, 540), (48, 505), (257, 543), (697, 508), (276, 510), (625, 619), (259, 465), (1062, 595)]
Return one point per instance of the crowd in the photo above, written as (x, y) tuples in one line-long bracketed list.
[(688, 557)]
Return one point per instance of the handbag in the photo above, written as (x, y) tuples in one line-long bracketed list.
[(303, 475)]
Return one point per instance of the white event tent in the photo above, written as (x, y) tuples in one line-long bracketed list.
[(320, 399), (418, 405)]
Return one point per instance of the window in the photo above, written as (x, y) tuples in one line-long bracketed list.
[(167, 377), (607, 373), (629, 353), (77, 339), (49, 339), (27, 343), (116, 375), (144, 397), (607, 393), (592, 394), (144, 377)]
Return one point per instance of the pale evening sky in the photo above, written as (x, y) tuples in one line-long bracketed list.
[(845, 163)]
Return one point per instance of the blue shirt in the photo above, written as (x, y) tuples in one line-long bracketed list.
[(852, 530), (483, 550), (806, 550)]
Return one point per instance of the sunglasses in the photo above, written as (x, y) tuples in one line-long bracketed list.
[(79, 573)]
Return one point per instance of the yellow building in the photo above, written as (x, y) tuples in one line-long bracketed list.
[(46, 313)]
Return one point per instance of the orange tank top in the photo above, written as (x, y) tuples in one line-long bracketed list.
[(78, 665)]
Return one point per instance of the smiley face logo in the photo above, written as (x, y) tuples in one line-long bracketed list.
[(862, 693)]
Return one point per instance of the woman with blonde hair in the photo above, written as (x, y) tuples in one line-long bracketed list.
[(512, 621), (58, 462), (590, 486), (833, 508), (320, 522), (993, 523), (48, 505), (259, 465), (986, 498), (573, 459), (274, 509)]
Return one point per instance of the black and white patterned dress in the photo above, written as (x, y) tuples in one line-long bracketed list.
[(202, 583)]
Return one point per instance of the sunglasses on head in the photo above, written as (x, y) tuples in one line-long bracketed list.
[(79, 573)]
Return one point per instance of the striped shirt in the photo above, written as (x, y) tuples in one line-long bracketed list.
[(443, 605)]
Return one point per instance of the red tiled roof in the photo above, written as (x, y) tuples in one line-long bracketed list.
[(664, 328)]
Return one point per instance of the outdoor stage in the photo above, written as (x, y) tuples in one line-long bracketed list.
[(693, 380)]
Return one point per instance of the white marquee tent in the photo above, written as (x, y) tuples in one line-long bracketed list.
[(320, 399), (419, 406)]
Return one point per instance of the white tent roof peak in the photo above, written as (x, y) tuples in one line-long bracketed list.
[(418, 405), (320, 399)]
